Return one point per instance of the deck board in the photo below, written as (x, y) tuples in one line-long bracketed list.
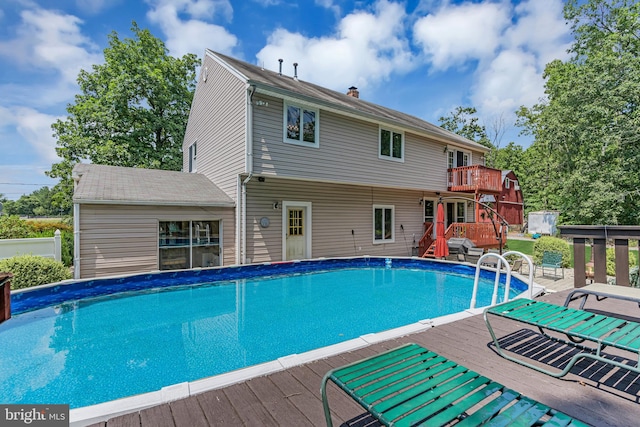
[(187, 412), (217, 408), (159, 416), (593, 393)]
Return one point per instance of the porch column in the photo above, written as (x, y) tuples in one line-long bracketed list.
[(600, 260), (579, 270), (622, 262)]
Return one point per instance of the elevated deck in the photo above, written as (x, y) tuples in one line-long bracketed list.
[(476, 179)]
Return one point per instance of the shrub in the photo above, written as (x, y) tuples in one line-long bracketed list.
[(547, 243), (611, 261), (633, 277), (40, 226), (30, 270), (12, 227)]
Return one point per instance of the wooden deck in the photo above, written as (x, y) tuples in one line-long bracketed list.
[(593, 393)]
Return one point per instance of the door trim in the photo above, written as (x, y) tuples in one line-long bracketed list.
[(286, 204)]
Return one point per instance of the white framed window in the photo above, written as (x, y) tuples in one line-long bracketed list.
[(301, 125), (507, 183), (457, 158), (383, 223), (391, 145), (192, 157)]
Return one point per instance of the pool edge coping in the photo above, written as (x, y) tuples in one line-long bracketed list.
[(87, 415)]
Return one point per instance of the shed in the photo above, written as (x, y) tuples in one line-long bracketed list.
[(543, 222)]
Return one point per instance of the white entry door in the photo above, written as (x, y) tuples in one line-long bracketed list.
[(296, 230)]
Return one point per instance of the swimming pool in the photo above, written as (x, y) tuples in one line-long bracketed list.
[(94, 341)]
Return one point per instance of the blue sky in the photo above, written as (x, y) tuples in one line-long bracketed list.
[(424, 58)]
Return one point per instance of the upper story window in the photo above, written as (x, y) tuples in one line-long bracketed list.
[(458, 158), (391, 145), (192, 157), (300, 125)]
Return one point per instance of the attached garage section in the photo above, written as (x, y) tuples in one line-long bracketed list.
[(131, 220)]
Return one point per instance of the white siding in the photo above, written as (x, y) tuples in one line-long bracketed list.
[(217, 123), (118, 239), (336, 210)]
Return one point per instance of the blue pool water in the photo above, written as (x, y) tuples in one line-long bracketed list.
[(95, 345)]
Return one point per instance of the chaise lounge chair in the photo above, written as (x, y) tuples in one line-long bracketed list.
[(411, 385), (578, 325)]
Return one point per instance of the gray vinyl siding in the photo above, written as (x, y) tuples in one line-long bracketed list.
[(217, 122), (120, 239), (336, 210), (347, 153)]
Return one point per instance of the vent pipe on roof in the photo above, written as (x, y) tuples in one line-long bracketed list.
[(295, 70), (280, 61)]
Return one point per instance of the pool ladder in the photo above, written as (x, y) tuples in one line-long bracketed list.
[(501, 261)]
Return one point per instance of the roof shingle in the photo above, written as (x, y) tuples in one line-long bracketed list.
[(137, 186)]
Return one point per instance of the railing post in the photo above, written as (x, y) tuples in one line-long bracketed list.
[(600, 260), (579, 270), (57, 246), (5, 296), (622, 262)]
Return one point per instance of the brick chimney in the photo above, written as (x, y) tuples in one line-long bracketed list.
[(353, 91)]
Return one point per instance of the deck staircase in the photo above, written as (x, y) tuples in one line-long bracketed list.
[(483, 235)]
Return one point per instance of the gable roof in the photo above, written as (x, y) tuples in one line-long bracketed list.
[(98, 184), (280, 84)]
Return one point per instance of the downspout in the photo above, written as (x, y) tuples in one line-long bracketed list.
[(248, 166), (76, 232)]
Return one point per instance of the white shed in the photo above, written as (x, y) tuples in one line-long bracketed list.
[(543, 222)]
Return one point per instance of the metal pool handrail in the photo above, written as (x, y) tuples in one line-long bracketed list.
[(507, 287), (501, 260), (529, 263)]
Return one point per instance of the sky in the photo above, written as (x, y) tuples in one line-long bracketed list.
[(424, 58)]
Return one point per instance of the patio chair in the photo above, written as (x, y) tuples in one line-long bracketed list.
[(551, 259), (411, 385), (578, 326)]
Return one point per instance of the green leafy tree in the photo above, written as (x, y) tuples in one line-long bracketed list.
[(587, 131), (132, 110), (462, 121)]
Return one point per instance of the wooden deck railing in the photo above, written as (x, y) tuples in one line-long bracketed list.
[(427, 238), (599, 235), (475, 178), (481, 234)]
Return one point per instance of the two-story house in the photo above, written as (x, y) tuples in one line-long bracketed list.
[(301, 171)]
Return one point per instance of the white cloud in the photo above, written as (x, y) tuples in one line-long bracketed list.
[(329, 4), (50, 40), (513, 77), (34, 128), (193, 35), (367, 47), (459, 33), (95, 6)]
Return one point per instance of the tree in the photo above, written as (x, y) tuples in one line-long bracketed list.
[(132, 110), (587, 131), (462, 122)]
